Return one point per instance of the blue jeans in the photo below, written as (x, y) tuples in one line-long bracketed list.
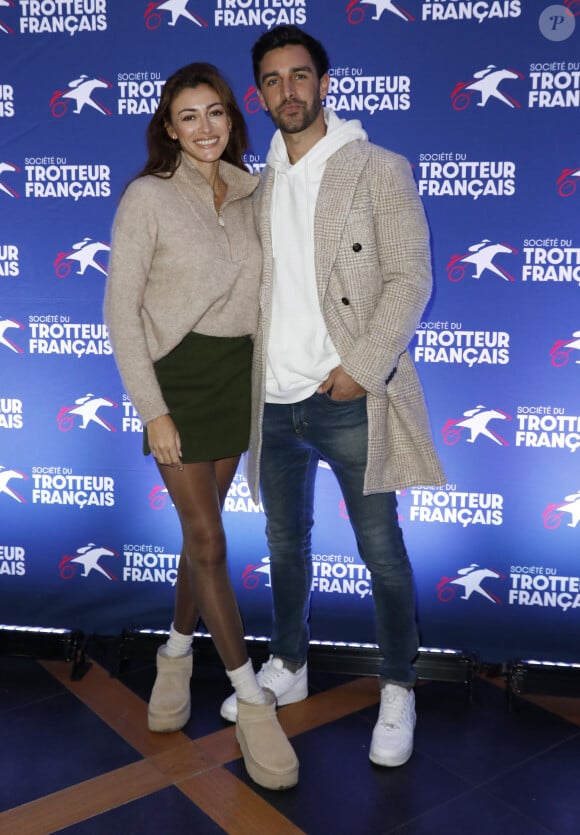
[(295, 437)]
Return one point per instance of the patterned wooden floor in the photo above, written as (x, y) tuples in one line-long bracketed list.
[(76, 757)]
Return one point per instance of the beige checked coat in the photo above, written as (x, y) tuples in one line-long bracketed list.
[(373, 273)]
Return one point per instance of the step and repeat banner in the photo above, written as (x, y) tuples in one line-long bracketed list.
[(483, 98)]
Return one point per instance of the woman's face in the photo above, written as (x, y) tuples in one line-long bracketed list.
[(200, 124)]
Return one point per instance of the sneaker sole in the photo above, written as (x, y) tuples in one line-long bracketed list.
[(389, 763)]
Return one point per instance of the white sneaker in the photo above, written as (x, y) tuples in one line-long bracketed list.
[(392, 741), (288, 687)]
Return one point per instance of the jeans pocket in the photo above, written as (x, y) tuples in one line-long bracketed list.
[(357, 399)]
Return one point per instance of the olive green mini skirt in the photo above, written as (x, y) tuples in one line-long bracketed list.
[(205, 382)]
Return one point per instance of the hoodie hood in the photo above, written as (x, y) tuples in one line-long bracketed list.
[(338, 133)]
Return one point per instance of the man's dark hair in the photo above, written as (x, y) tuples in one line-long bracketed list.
[(288, 36)]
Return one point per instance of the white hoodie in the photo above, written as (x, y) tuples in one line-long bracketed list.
[(300, 350)]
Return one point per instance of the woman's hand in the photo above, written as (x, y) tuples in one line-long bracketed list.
[(165, 442)]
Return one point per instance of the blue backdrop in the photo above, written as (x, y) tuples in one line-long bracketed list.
[(483, 97)]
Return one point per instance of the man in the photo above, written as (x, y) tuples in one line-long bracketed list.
[(346, 278)]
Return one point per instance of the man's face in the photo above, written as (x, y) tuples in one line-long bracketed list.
[(290, 88)]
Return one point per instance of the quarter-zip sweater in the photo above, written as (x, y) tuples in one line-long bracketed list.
[(176, 266)]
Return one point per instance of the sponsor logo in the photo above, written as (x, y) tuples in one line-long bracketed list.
[(252, 100), (551, 259), (455, 507), (6, 99), (528, 585), (52, 177), (453, 175), (356, 11), (159, 497), (572, 7), (85, 408), (470, 580), (6, 325), (252, 573), (476, 421), (11, 416), (554, 84), (340, 574), (553, 515), (39, 17), (561, 350), (131, 421), (479, 10), (350, 90), (5, 28), (547, 427), (264, 13), (7, 168), (175, 10), (253, 163), (82, 255), (87, 558), (437, 342), (8, 475), (554, 260), (12, 560), (480, 257), (9, 261), (238, 499), (60, 486), (536, 585), (485, 83), (332, 574), (80, 91), (567, 182), (65, 338), (149, 564), (139, 92)]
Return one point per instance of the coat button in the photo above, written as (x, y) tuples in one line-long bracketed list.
[(344, 300), (356, 247)]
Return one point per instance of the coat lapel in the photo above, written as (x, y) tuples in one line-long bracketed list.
[(264, 198), (335, 197), (337, 189)]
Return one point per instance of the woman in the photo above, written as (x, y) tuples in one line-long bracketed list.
[(181, 304)]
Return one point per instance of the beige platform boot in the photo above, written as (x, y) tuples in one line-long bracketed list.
[(268, 756), (170, 703)]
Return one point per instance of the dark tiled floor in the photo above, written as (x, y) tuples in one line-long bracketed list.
[(76, 757)]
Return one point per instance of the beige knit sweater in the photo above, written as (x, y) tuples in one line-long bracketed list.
[(175, 268)]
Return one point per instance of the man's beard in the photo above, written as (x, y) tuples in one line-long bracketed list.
[(300, 121)]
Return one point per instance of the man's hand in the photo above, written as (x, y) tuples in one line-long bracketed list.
[(165, 442), (340, 385)]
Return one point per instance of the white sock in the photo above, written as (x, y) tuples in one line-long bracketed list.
[(177, 644), (246, 685)]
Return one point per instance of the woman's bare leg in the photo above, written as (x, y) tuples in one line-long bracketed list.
[(203, 587)]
